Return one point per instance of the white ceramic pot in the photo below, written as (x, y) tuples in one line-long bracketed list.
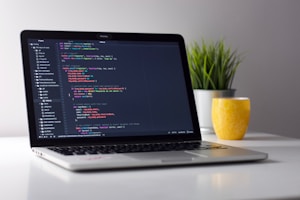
[(203, 100)]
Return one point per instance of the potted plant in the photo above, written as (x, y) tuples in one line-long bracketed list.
[(212, 70)]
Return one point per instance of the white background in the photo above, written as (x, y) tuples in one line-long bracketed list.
[(267, 31)]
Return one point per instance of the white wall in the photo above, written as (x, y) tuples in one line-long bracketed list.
[(267, 31)]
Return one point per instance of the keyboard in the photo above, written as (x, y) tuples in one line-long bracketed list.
[(131, 148)]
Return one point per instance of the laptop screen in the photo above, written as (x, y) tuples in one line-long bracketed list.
[(106, 87)]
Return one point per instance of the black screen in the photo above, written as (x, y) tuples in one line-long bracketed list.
[(108, 88)]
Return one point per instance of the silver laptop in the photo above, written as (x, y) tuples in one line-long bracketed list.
[(114, 100)]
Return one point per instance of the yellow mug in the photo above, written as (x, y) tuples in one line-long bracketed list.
[(230, 117)]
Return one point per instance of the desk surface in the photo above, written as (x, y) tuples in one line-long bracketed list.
[(25, 176)]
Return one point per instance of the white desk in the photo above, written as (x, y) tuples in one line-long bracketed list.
[(24, 176)]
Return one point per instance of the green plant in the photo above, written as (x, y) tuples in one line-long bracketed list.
[(212, 66)]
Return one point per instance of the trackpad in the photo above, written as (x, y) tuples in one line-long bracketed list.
[(166, 156)]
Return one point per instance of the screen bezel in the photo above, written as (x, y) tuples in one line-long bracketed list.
[(34, 34)]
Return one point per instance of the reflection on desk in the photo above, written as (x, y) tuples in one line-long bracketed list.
[(25, 176)]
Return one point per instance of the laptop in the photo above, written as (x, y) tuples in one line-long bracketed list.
[(108, 100)]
